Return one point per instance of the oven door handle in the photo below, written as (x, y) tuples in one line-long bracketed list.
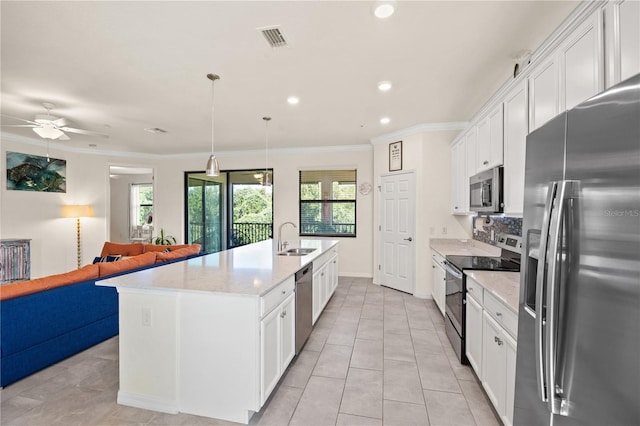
[(452, 270)]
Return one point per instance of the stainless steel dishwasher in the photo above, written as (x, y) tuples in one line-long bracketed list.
[(304, 305)]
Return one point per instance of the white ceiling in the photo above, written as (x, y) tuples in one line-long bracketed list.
[(120, 67)]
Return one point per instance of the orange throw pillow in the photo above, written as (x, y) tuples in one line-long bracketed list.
[(110, 268), (153, 247), (177, 254), (123, 249)]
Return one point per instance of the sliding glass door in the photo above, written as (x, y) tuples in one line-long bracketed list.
[(229, 210), (205, 211)]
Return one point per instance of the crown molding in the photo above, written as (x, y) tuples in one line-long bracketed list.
[(419, 128), (221, 154)]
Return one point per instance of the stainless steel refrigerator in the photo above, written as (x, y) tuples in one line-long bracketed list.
[(578, 357)]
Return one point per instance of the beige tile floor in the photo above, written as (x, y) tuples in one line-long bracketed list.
[(376, 357)]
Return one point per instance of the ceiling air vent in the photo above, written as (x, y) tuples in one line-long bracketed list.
[(274, 36)]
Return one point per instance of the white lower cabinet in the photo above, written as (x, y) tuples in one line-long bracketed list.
[(325, 281), (491, 347), (439, 277), (473, 340), (277, 344)]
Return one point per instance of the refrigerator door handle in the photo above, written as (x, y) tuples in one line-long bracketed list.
[(566, 190), (540, 287)]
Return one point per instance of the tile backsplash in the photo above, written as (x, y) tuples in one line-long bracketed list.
[(498, 224)]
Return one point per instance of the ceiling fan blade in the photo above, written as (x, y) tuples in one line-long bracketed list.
[(64, 137), (60, 122), (19, 125), (22, 119), (83, 132)]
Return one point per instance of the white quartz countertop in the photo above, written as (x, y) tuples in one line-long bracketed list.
[(456, 247), (250, 270), (504, 285)]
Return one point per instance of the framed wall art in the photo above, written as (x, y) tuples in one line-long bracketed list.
[(395, 156), (26, 172)]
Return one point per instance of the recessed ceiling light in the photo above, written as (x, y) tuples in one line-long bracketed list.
[(383, 86), (385, 120), (293, 100), (384, 9)]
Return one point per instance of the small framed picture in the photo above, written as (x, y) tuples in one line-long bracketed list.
[(395, 156)]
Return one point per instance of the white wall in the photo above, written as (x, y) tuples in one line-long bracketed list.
[(36, 215), (429, 155), (356, 253)]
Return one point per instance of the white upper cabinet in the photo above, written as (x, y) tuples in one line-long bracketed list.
[(581, 63), (459, 178), (490, 140), (622, 38), (471, 142), (515, 138), (543, 93)]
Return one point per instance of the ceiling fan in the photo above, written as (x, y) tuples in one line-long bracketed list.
[(49, 127)]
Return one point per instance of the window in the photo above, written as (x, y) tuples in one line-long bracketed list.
[(328, 203), (141, 215)]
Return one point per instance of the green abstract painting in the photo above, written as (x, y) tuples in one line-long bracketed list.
[(27, 172)]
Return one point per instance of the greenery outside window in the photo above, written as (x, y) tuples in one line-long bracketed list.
[(141, 204), (328, 203)]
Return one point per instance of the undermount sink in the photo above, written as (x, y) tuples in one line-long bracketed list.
[(296, 252)]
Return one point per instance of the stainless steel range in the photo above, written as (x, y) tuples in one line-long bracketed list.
[(456, 285)]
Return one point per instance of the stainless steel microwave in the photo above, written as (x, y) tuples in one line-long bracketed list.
[(485, 191)]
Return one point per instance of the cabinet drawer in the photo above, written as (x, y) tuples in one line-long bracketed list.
[(277, 295), (437, 258), (475, 290), (505, 316)]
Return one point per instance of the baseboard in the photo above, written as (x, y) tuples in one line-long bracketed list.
[(355, 275), (423, 295), (148, 402)]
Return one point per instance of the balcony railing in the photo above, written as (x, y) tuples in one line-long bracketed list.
[(208, 234)]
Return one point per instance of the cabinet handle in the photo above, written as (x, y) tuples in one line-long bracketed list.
[(456, 207), (322, 274), (283, 314), (498, 314), (470, 289), (284, 291), (497, 340), (485, 162)]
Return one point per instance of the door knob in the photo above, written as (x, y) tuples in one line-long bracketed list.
[(408, 239)]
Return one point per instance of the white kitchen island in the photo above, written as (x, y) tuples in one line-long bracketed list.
[(211, 335)]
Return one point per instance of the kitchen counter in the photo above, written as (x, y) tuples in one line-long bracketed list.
[(504, 285), (213, 335), (251, 270), (458, 247)]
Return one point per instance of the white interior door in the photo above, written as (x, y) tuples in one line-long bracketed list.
[(397, 231)]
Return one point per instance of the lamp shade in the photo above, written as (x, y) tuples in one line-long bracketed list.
[(77, 210), (213, 168)]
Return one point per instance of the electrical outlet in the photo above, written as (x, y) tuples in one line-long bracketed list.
[(444, 230), (146, 317)]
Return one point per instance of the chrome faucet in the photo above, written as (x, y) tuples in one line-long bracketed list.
[(280, 245)]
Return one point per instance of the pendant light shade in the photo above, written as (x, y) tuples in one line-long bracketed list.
[(213, 168), (266, 181)]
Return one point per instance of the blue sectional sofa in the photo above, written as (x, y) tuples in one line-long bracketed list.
[(45, 326)]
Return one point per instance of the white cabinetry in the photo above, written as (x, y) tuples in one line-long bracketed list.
[(277, 342), (473, 339), (581, 61), (459, 178), (491, 346), (622, 38), (490, 140), (438, 287), (471, 147), (543, 93), (325, 280), (515, 138)]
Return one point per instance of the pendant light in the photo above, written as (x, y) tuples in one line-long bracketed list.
[(213, 168), (267, 179)]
